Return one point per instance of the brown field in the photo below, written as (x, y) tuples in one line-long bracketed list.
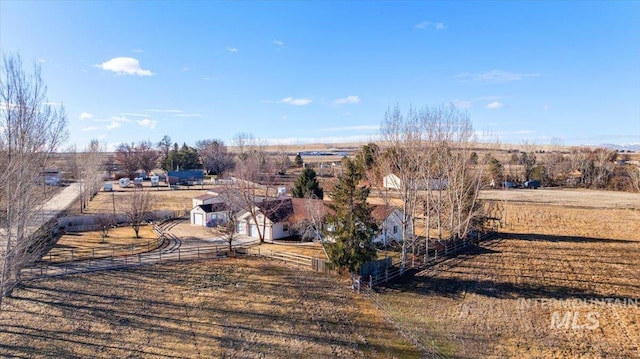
[(475, 305), (163, 198), (248, 308), (85, 245)]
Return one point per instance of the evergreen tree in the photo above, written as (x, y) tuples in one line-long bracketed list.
[(307, 185), (351, 224)]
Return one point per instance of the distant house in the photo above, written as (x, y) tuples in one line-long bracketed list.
[(389, 220), (392, 181), (51, 176)]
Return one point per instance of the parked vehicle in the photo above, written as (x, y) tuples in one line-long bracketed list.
[(532, 184), (124, 182)]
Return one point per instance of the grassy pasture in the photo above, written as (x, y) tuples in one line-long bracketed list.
[(85, 245), (238, 307), (475, 305)]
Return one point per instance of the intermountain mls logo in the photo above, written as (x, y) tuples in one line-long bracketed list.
[(576, 313)]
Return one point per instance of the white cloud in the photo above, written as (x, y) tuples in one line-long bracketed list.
[(125, 66), (85, 116), (90, 128), (428, 24), (113, 125), (461, 103), (150, 124), (189, 115), (494, 105), (347, 100), (185, 69), (120, 119), (42, 60), (278, 43), (497, 76), (546, 107), (296, 101), (116, 121), (284, 117), (137, 51), (232, 49)]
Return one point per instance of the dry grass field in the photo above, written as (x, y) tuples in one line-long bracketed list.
[(85, 245), (231, 308), (509, 297)]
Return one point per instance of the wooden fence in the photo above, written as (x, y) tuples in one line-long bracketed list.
[(171, 249), (434, 256)]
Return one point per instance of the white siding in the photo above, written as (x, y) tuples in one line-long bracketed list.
[(391, 181)]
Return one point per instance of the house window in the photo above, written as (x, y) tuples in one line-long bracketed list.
[(285, 227), (395, 229)]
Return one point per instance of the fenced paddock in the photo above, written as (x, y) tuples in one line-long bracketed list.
[(169, 250), (434, 256)]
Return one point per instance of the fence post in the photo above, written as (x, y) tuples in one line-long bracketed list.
[(386, 275), (370, 281), (72, 255), (179, 250), (199, 251)]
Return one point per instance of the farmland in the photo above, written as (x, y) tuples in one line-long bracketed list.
[(508, 297), (250, 308)]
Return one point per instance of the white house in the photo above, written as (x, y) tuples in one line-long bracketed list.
[(389, 220), (272, 220), (209, 214), (392, 181)]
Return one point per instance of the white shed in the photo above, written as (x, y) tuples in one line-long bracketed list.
[(209, 214)]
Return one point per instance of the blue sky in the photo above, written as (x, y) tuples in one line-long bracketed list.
[(296, 72)]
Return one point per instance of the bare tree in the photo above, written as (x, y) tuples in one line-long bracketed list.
[(31, 131), (254, 182), (428, 150), (226, 227), (147, 156), (402, 137), (242, 141), (126, 156), (215, 158), (89, 164), (137, 207), (105, 223)]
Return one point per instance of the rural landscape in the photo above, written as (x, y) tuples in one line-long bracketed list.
[(319, 180)]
